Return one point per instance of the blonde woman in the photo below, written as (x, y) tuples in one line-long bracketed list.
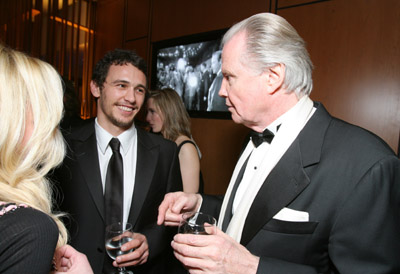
[(166, 114), (31, 107)]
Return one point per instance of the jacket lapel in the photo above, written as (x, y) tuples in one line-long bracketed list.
[(282, 185), (85, 149), (289, 177), (147, 158)]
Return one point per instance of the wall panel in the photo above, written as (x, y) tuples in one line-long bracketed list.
[(282, 4), (109, 26), (137, 15), (355, 46), (139, 45), (220, 142), (176, 18)]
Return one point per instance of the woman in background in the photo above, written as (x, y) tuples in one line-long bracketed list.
[(31, 107), (166, 114)]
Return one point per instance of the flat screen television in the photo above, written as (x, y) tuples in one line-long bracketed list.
[(191, 65)]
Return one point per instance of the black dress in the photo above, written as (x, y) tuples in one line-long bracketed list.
[(201, 182), (28, 239)]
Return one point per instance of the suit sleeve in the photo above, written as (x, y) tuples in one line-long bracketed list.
[(212, 205), (161, 236), (365, 235)]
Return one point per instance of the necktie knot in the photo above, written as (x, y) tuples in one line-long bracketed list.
[(115, 144), (259, 137)]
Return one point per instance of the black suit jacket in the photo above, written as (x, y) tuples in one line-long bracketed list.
[(348, 180), (157, 173)]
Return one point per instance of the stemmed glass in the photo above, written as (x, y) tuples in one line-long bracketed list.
[(197, 223), (118, 234)]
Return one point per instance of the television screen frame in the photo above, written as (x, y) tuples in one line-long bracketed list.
[(191, 66)]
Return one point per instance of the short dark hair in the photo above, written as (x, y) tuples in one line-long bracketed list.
[(117, 57)]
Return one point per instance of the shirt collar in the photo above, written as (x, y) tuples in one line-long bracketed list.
[(103, 138), (274, 126)]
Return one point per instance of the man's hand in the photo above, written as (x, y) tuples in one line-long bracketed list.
[(174, 205), (138, 256), (217, 253), (69, 260)]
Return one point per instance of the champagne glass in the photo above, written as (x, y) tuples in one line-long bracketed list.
[(197, 223), (118, 234)]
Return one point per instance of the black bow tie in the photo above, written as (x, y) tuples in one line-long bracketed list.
[(259, 137)]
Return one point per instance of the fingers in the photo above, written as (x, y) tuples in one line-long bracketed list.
[(174, 204), (137, 240), (196, 258), (139, 254), (62, 257), (166, 204), (172, 219), (195, 240), (162, 209), (170, 209), (137, 257), (60, 252), (217, 253)]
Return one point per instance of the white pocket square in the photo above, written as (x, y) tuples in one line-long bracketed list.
[(291, 215)]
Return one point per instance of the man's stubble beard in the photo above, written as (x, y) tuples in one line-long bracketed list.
[(121, 124), (116, 122)]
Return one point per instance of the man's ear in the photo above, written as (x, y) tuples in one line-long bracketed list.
[(94, 89), (275, 77)]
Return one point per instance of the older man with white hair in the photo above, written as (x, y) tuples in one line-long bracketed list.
[(310, 193)]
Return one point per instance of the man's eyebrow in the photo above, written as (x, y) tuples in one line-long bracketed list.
[(141, 86), (226, 72), (127, 82), (120, 81)]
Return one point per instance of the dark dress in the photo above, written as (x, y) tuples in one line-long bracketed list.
[(28, 239), (201, 182)]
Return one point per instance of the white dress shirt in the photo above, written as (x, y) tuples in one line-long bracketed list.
[(128, 149), (261, 161)]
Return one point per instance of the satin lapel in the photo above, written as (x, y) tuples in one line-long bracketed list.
[(282, 185), (85, 149), (147, 158), (289, 178)]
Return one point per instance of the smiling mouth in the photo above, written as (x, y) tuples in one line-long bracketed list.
[(125, 108)]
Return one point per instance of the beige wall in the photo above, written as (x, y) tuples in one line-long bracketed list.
[(354, 45)]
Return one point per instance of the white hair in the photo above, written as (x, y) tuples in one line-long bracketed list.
[(271, 40)]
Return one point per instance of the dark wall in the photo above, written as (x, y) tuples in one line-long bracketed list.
[(354, 45)]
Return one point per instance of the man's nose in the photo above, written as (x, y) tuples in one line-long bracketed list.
[(130, 95)]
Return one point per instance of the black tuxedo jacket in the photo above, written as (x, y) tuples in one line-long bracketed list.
[(348, 180), (157, 173)]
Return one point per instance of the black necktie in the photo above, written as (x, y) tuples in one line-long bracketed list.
[(114, 192), (228, 211), (259, 137)]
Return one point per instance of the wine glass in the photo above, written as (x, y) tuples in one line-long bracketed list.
[(197, 223), (118, 234)]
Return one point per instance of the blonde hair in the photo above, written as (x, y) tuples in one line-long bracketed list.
[(176, 121), (29, 88)]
